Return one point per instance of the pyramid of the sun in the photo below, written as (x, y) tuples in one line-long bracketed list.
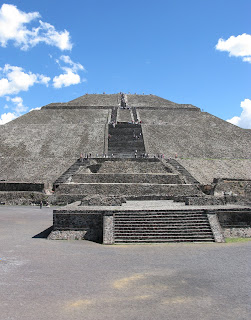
[(42, 144)]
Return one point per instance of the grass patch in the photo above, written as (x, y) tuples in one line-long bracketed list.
[(231, 240)]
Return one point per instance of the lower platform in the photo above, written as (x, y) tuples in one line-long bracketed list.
[(149, 221)]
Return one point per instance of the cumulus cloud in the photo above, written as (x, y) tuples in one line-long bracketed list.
[(239, 46), (13, 27), (7, 117), (70, 75), (19, 107), (244, 120), (43, 79), (15, 79), (66, 79)]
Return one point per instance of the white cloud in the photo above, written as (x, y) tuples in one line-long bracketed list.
[(13, 28), (7, 117), (239, 46), (44, 80), (247, 59), (38, 108), (70, 75), (66, 79), (74, 66), (19, 107), (16, 80), (244, 120)]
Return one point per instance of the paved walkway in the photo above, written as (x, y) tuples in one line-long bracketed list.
[(43, 280)]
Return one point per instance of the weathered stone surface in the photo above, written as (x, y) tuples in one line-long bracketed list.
[(127, 178), (193, 134), (108, 228), (130, 189), (21, 186), (67, 235), (232, 187), (99, 200), (23, 198), (215, 227), (237, 232), (206, 170), (204, 201)]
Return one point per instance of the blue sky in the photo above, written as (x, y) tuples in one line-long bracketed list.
[(196, 52)]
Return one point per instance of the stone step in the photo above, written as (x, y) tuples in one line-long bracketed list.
[(122, 138), (135, 235), (163, 228), (160, 219), (149, 216), (127, 178), (121, 241), (156, 224), (126, 125), (129, 189), (164, 236), (175, 229)]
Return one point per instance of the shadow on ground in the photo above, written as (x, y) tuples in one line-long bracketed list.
[(44, 234)]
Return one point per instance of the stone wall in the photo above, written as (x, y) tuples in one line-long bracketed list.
[(21, 186), (205, 201), (129, 189), (90, 225), (235, 223), (134, 166), (234, 219), (127, 178), (22, 197)]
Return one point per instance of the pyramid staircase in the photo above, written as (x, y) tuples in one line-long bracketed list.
[(126, 140), (70, 172), (187, 175), (162, 226)]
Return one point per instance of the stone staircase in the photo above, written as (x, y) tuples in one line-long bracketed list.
[(188, 177), (70, 172), (162, 226), (125, 139), (134, 178)]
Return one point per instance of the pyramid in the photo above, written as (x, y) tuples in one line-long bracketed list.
[(101, 151), (41, 145)]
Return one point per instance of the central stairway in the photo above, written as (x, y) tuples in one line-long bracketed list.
[(125, 137), (125, 140), (162, 226)]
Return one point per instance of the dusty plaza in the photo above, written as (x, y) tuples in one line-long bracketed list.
[(43, 279)]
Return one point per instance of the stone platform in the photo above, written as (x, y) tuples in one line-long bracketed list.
[(150, 221)]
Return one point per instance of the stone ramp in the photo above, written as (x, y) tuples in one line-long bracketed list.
[(159, 226)]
